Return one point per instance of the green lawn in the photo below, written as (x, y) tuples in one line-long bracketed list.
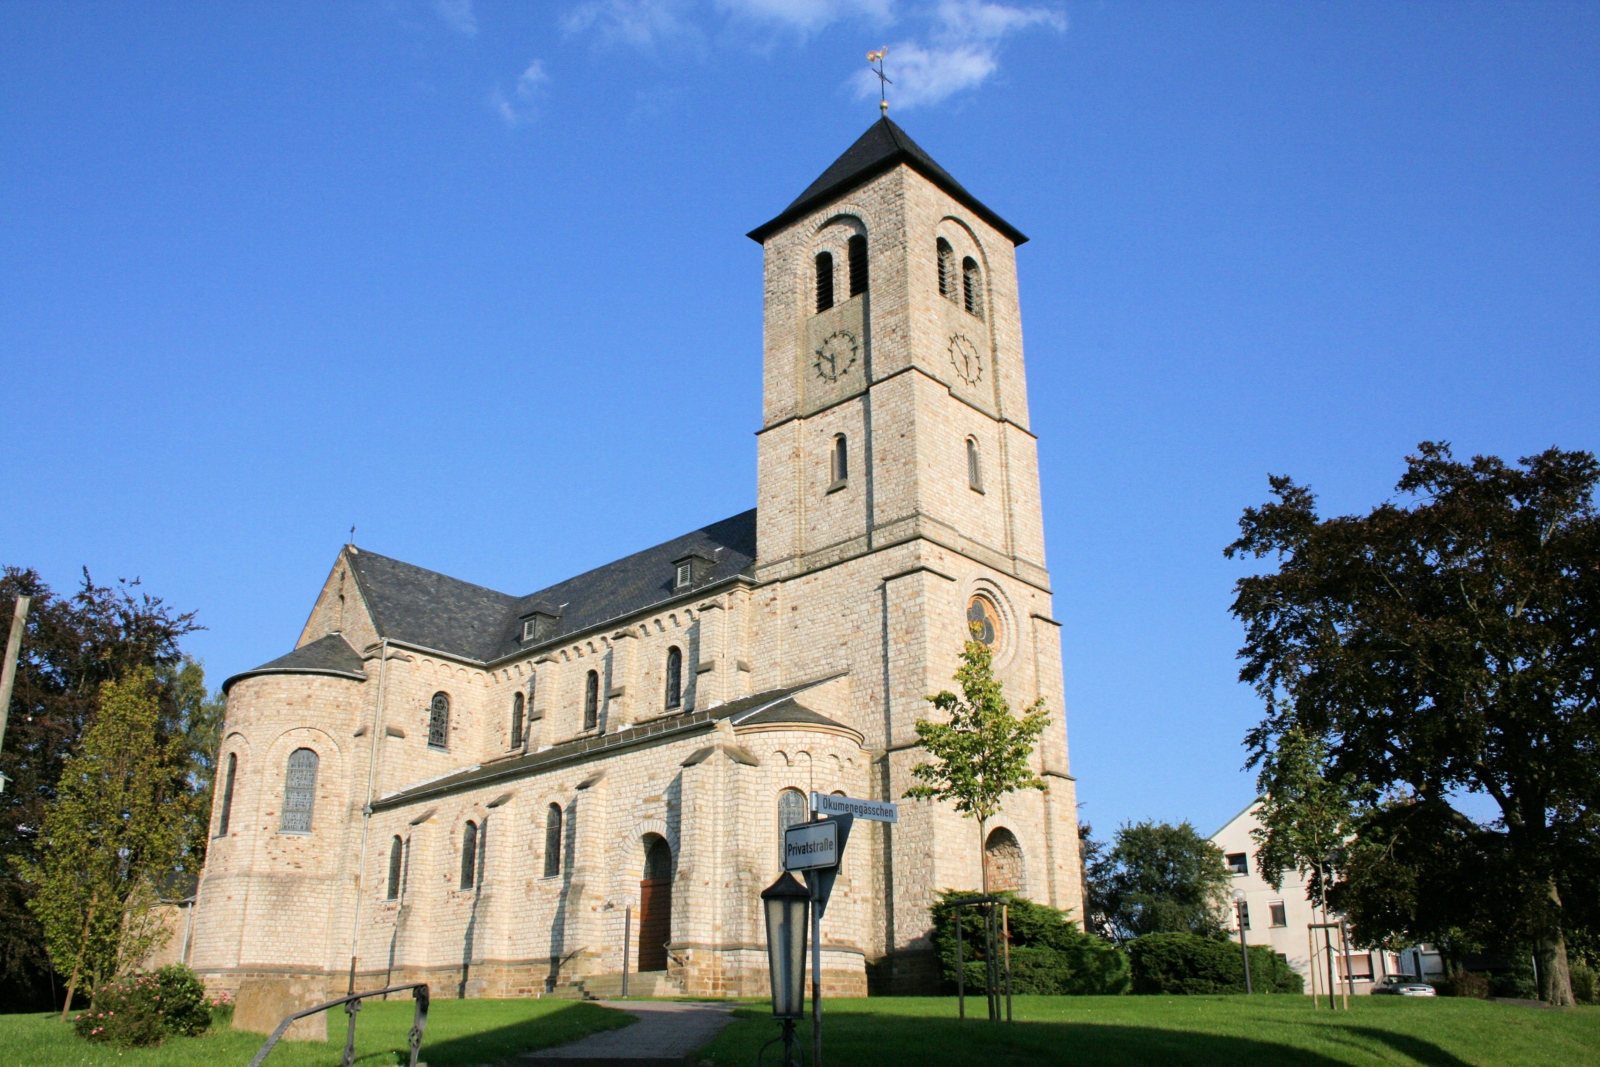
[(1236, 1031), (461, 1033)]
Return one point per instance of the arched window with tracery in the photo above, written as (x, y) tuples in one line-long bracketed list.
[(516, 719), (791, 809), (591, 700), (674, 677), (857, 248), (227, 795), (974, 468), (552, 841), (439, 721), (949, 286), (469, 855), (397, 852), (824, 281), (299, 792), (983, 621), (972, 286)]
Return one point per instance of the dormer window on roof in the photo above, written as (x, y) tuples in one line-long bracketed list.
[(540, 624), (691, 570)]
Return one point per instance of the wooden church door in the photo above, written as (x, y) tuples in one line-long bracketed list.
[(655, 905)]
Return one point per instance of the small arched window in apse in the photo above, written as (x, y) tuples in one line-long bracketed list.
[(858, 265), (591, 700), (552, 841), (974, 468), (972, 286), (397, 853), (439, 721), (948, 286), (299, 792), (469, 855), (824, 281), (674, 677), (227, 795), (791, 809), (839, 461), (516, 719)]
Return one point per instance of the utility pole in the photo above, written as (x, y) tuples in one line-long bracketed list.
[(8, 676)]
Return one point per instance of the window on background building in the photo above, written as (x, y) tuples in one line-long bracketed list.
[(839, 461), (948, 287), (552, 841), (674, 677), (858, 265), (974, 468), (972, 287), (591, 700), (439, 721), (824, 281), (516, 719), (1238, 863), (397, 852), (1280, 914), (227, 795), (299, 791), (469, 855)]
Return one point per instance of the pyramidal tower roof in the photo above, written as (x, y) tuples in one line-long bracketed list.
[(883, 147)]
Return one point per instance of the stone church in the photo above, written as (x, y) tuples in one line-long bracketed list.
[(484, 791)]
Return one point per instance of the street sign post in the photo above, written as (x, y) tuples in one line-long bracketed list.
[(874, 810), (810, 845)]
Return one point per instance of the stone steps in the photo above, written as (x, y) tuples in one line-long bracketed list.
[(640, 984)]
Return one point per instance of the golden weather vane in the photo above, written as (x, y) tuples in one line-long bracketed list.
[(883, 81)]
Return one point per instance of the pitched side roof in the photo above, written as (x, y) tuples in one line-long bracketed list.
[(426, 608), (883, 147), (326, 655)]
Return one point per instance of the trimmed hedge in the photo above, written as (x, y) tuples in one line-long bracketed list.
[(142, 1009), (1050, 954), (1185, 963)]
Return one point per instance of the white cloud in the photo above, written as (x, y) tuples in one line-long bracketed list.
[(960, 51), (806, 15), (641, 24), (458, 15), (519, 105)]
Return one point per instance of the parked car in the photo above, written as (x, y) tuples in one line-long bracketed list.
[(1401, 985)]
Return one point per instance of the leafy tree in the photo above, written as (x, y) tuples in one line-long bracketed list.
[(116, 826), (982, 751), (72, 645), (1159, 878), (193, 718), (1440, 644)]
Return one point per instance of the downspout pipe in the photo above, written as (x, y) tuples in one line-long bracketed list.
[(366, 809)]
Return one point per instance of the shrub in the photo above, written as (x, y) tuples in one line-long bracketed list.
[(1463, 984), (1585, 983), (141, 1009), (1050, 954), (1185, 963)]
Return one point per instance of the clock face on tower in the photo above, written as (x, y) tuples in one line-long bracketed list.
[(966, 360), (836, 356)]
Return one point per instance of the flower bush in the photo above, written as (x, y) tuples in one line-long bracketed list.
[(142, 1009)]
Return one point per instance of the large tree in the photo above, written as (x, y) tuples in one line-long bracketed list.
[(1445, 642), (1158, 878)]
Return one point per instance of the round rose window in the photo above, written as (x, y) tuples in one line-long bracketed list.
[(983, 621)]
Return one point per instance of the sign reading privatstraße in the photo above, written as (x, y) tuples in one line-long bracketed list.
[(810, 845), (874, 810)]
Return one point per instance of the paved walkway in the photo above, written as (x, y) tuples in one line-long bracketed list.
[(667, 1034)]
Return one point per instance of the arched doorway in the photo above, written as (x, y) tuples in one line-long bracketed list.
[(1004, 856), (655, 904)]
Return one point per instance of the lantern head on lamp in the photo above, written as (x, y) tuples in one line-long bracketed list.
[(785, 902)]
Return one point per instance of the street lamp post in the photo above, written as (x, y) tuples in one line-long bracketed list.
[(1244, 950), (786, 903)]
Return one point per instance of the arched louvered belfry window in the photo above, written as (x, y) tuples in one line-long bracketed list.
[(591, 700), (552, 841), (674, 677), (397, 853), (839, 461), (227, 795), (439, 721), (516, 719), (974, 467), (858, 265), (469, 855), (824, 281), (949, 286), (299, 792), (972, 286)]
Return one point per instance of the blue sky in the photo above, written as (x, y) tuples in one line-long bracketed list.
[(472, 276)]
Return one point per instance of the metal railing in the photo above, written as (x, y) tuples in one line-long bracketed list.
[(352, 1004)]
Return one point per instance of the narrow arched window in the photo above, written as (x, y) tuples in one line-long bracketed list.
[(791, 809), (674, 677), (397, 853), (839, 461), (227, 795), (858, 265), (947, 271), (439, 721), (972, 286), (299, 791), (552, 841), (824, 281), (591, 700), (469, 855), (516, 720), (974, 468)]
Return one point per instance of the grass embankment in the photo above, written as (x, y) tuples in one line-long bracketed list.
[(1265, 1031), (460, 1033)]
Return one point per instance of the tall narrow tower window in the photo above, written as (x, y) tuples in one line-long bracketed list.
[(839, 462), (591, 700), (227, 795), (469, 855), (397, 849), (972, 286), (974, 468), (824, 281), (674, 677), (439, 721), (947, 270), (858, 265), (552, 841), (299, 792), (516, 719)]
